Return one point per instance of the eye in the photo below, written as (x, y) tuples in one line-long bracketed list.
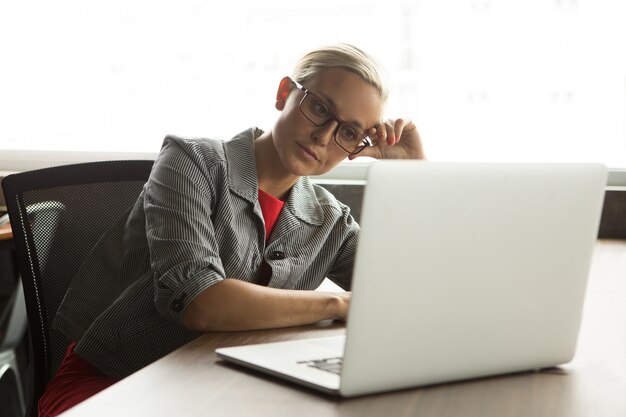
[(320, 110), (348, 133)]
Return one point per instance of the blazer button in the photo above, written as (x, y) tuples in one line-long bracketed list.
[(178, 304), (277, 255)]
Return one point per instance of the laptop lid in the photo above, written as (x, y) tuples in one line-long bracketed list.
[(468, 269)]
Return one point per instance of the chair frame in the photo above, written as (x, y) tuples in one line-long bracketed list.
[(14, 186), (15, 331)]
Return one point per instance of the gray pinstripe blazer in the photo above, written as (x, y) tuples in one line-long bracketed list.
[(196, 222)]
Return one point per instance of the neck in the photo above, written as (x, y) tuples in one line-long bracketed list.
[(273, 178)]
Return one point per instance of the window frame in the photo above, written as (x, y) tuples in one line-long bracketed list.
[(352, 172)]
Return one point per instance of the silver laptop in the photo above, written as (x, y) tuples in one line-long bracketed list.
[(463, 270)]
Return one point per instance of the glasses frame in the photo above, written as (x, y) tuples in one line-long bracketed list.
[(365, 141)]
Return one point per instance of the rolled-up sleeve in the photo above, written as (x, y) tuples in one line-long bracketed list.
[(180, 234)]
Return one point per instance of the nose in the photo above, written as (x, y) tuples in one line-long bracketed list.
[(324, 134)]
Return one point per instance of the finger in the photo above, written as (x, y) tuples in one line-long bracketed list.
[(389, 135), (394, 129), (401, 126), (372, 133), (379, 133)]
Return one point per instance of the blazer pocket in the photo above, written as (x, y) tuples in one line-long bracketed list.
[(140, 326)]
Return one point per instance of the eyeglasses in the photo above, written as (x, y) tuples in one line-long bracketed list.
[(349, 138)]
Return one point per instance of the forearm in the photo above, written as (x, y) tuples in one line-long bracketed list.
[(237, 305)]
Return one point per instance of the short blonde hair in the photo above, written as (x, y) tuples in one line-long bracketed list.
[(344, 56)]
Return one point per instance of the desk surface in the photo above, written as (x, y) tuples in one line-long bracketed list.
[(6, 232), (193, 382)]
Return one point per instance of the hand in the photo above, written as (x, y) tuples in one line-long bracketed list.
[(394, 139), (342, 305)]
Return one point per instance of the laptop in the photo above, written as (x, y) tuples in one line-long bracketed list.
[(463, 270)]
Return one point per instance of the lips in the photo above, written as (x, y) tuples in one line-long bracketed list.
[(309, 151)]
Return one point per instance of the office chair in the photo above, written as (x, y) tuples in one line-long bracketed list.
[(57, 215), (13, 320), (12, 331)]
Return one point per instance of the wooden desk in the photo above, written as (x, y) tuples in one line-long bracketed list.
[(8, 265), (193, 382), (5, 232)]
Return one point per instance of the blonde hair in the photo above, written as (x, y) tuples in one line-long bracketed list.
[(344, 56)]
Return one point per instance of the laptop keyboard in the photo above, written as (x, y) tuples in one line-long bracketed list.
[(332, 365)]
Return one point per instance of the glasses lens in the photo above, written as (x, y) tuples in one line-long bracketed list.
[(355, 150), (351, 139), (315, 110)]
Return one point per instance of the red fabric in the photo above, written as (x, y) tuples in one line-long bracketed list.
[(75, 381), (270, 207)]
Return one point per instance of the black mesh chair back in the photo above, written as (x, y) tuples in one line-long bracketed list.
[(57, 215)]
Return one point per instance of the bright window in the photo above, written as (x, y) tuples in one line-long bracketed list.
[(539, 80)]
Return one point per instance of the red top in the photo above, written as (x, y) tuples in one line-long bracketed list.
[(270, 207)]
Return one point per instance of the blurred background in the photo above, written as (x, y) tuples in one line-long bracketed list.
[(484, 80)]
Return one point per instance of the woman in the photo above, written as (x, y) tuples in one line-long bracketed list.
[(231, 235)]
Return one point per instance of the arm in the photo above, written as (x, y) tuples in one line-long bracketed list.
[(237, 305)]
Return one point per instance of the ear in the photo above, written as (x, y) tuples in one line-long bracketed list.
[(284, 88)]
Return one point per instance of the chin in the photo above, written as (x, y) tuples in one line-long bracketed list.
[(301, 168), (302, 171)]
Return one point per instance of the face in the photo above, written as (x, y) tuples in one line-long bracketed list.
[(306, 149)]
